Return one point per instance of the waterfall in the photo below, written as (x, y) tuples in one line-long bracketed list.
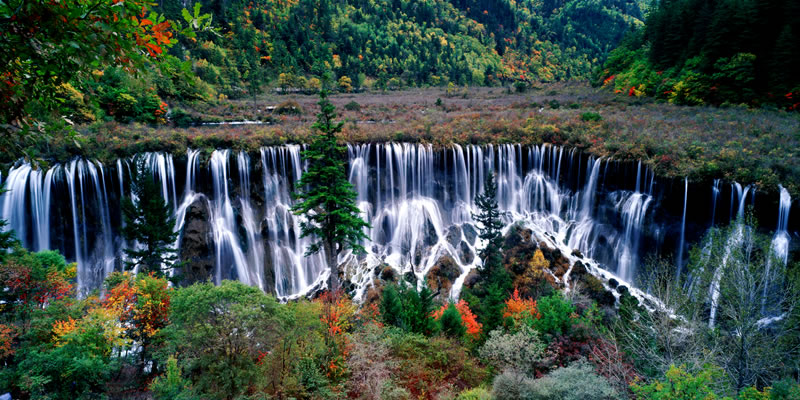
[(418, 199), (734, 240), (715, 191), (780, 242), (230, 259), (682, 242), (14, 201)]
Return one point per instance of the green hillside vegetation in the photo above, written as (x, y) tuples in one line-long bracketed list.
[(712, 52), (298, 45)]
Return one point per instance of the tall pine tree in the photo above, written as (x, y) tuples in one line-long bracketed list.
[(149, 225), (488, 217), (326, 198), (495, 279)]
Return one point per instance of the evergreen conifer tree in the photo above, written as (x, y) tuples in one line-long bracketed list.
[(488, 217), (451, 322), (150, 224), (495, 279), (325, 197)]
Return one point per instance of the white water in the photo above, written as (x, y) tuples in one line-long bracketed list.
[(682, 243), (419, 201)]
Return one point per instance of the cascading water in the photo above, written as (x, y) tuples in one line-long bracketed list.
[(682, 243), (419, 201), (780, 242)]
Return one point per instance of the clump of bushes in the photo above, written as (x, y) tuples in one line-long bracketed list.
[(289, 107), (591, 116), (352, 106)]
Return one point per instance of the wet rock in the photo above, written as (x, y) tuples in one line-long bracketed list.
[(469, 233), (472, 278), (516, 236), (578, 270), (622, 290), (465, 253), (388, 274), (442, 275), (577, 253), (196, 244), (410, 278), (595, 290), (453, 235), (269, 269), (612, 283), (431, 237)]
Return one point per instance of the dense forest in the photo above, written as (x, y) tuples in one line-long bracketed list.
[(712, 52), (242, 48)]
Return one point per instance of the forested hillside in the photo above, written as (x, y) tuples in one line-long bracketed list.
[(713, 52), (417, 42), (296, 44)]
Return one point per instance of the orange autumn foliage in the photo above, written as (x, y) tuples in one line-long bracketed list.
[(468, 319), (519, 308)]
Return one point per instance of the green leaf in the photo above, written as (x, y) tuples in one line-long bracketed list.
[(186, 16)]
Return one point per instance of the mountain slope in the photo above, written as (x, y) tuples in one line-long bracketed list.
[(476, 42)]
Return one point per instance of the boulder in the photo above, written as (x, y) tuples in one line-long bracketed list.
[(453, 235), (469, 233), (465, 253), (442, 275), (196, 244)]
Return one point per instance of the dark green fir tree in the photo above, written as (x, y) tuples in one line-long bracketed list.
[(149, 225), (326, 198)]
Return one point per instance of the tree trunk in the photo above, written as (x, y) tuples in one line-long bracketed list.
[(333, 279)]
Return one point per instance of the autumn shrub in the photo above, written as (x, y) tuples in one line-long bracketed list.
[(288, 107), (519, 310), (427, 367), (368, 363), (68, 351)]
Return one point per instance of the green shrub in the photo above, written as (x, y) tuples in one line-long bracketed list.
[(451, 322), (556, 314), (511, 386), (554, 104), (575, 382), (591, 116), (679, 384), (352, 106), (520, 87), (181, 118), (217, 333), (172, 385), (518, 352), (574, 106), (478, 393)]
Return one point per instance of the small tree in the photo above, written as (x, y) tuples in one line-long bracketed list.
[(345, 84), (148, 222), (325, 197)]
